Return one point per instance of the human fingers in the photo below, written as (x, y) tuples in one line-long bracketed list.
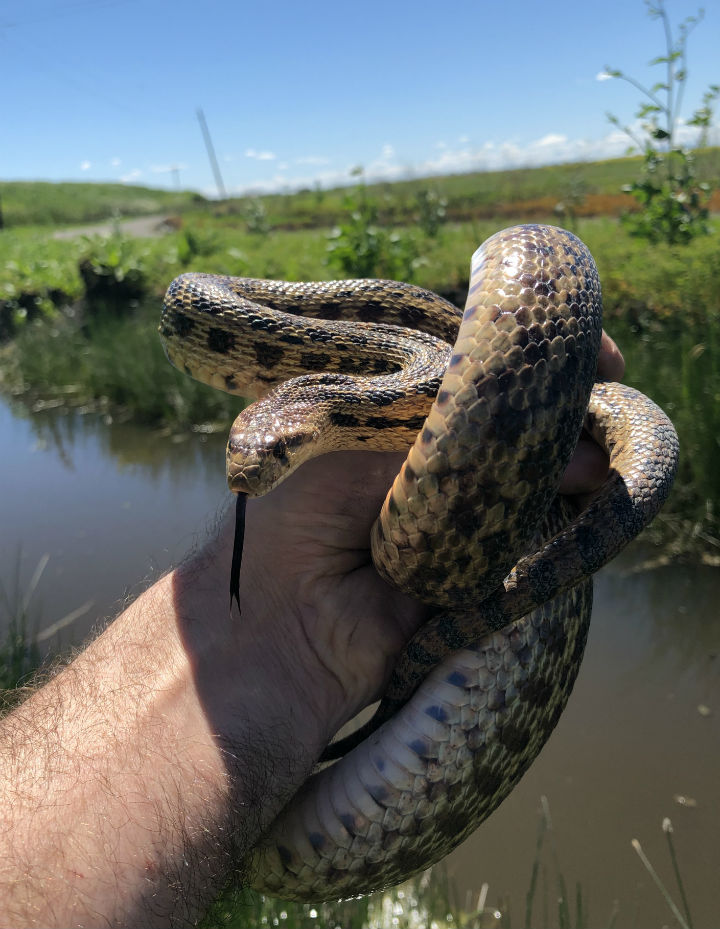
[(587, 470), (589, 464), (611, 364)]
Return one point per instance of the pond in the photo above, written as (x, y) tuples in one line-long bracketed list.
[(112, 506)]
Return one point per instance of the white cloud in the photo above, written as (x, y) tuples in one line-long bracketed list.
[(490, 155), (86, 165), (312, 160), (131, 176), (260, 156), (115, 162), (551, 139)]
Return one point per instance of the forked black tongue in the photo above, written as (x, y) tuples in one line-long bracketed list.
[(237, 550)]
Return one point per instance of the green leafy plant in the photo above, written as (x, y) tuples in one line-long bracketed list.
[(359, 247), (112, 273), (192, 243), (431, 210), (574, 198), (256, 218), (33, 293), (673, 202)]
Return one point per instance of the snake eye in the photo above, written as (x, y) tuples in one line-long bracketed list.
[(286, 444), (296, 439)]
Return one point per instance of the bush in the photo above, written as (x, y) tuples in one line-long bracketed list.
[(673, 203), (359, 247)]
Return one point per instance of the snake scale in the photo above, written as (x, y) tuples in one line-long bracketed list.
[(490, 403)]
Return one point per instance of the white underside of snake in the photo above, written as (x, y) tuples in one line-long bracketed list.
[(474, 497)]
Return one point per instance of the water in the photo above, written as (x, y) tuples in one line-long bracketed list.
[(113, 506), (633, 746)]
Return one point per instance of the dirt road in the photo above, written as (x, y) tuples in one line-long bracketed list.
[(143, 227)]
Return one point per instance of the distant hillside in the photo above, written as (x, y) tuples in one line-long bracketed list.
[(582, 188), (43, 203)]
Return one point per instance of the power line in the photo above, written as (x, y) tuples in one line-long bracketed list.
[(211, 154)]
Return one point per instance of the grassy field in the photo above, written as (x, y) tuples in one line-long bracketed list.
[(26, 203), (584, 189)]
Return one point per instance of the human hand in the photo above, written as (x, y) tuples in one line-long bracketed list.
[(307, 553), (588, 467)]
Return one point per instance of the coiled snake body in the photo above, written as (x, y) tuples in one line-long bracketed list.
[(491, 403)]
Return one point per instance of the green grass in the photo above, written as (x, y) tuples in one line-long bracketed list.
[(662, 305), (27, 203)]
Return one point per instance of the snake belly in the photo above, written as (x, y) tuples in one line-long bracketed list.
[(491, 405)]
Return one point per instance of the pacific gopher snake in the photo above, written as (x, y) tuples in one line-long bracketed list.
[(478, 485)]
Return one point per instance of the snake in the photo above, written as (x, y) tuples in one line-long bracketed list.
[(489, 404)]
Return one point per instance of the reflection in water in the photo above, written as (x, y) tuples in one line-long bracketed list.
[(183, 457), (114, 505), (673, 610)]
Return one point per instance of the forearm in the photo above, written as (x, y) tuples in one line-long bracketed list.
[(134, 782)]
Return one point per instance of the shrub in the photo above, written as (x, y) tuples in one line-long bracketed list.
[(673, 203)]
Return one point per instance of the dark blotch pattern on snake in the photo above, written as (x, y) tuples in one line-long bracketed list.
[(471, 524)]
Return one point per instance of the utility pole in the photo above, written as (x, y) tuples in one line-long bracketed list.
[(211, 154)]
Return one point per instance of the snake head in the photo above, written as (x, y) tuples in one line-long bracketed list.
[(267, 444)]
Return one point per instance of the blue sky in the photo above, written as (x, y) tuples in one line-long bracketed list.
[(297, 93)]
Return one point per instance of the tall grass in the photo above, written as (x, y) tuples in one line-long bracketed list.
[(663, 308), (117, 365), (19, 654)]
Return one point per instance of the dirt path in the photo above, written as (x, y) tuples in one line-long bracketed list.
[(144, 227)]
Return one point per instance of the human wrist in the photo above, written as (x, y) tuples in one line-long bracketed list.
[(255, 668)]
